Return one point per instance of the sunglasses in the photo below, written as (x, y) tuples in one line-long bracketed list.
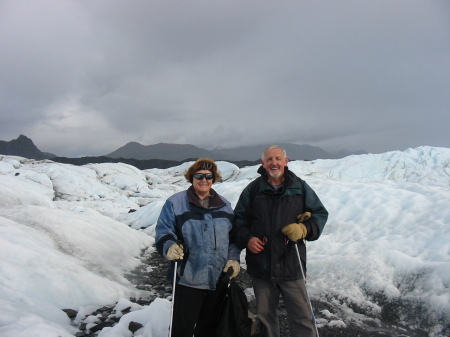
[(200, 176)]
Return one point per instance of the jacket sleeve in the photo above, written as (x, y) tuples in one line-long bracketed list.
[(319, 213), (234, 252), (165, 229), (242, 219)]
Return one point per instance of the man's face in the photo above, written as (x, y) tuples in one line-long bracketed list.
[(274, 162)]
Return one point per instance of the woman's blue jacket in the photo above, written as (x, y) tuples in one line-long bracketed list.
[(205, 234)]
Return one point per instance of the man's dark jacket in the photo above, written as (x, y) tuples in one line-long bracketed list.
[(262, 211)]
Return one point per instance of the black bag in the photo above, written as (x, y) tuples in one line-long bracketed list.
[(234, 320)]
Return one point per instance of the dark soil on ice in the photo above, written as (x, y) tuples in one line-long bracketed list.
[(155, 279)]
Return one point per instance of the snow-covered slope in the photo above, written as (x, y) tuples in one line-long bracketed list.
[(67, 237)]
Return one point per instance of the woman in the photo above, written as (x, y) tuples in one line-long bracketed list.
[(194, 228)]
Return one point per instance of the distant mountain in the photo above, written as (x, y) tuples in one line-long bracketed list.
[(294, 152), (183, 151), (140, 164), (23, 147), (345, 153), (165, 151), (164, 155)]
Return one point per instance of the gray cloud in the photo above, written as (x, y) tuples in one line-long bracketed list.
[(86, 77)]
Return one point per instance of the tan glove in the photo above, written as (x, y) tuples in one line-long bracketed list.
[(175, 252), (297, 231), (233, 264), (303, 217)]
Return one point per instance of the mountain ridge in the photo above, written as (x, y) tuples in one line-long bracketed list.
[(169, 151), (165, 151), (23, 147), (160, 152)]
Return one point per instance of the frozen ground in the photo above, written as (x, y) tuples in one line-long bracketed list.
[(67, 240)]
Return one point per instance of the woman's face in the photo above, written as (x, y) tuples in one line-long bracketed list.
[(203, 185)]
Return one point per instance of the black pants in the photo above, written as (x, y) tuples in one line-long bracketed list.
[(196, 311)]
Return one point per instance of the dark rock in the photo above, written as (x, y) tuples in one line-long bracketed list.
[(100, 326), (124, 311), (70, 313), (134, 326)]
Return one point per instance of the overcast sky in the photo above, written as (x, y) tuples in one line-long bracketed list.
[(87, 77)]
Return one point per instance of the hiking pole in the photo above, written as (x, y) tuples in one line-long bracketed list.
[(173, 297), (307, 295)]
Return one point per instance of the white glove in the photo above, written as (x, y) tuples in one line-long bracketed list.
[(175, 252), (233, 264)]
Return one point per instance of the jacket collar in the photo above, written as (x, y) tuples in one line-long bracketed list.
[(288, 177), (215, 201)]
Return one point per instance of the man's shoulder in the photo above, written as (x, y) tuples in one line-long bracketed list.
[(295, 182), (293, 176), (255, 182), (249, 192), (253, 187)]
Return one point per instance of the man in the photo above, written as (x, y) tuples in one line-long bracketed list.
[(274, 212)]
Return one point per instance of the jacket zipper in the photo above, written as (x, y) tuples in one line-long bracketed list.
[(215, 237)]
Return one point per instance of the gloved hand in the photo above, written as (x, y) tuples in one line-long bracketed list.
[(297, 231), (175, 252), (303, 217), (233, 264)]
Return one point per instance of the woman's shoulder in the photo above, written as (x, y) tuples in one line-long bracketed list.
[(218, 200), (225, 200), (176, 197)]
